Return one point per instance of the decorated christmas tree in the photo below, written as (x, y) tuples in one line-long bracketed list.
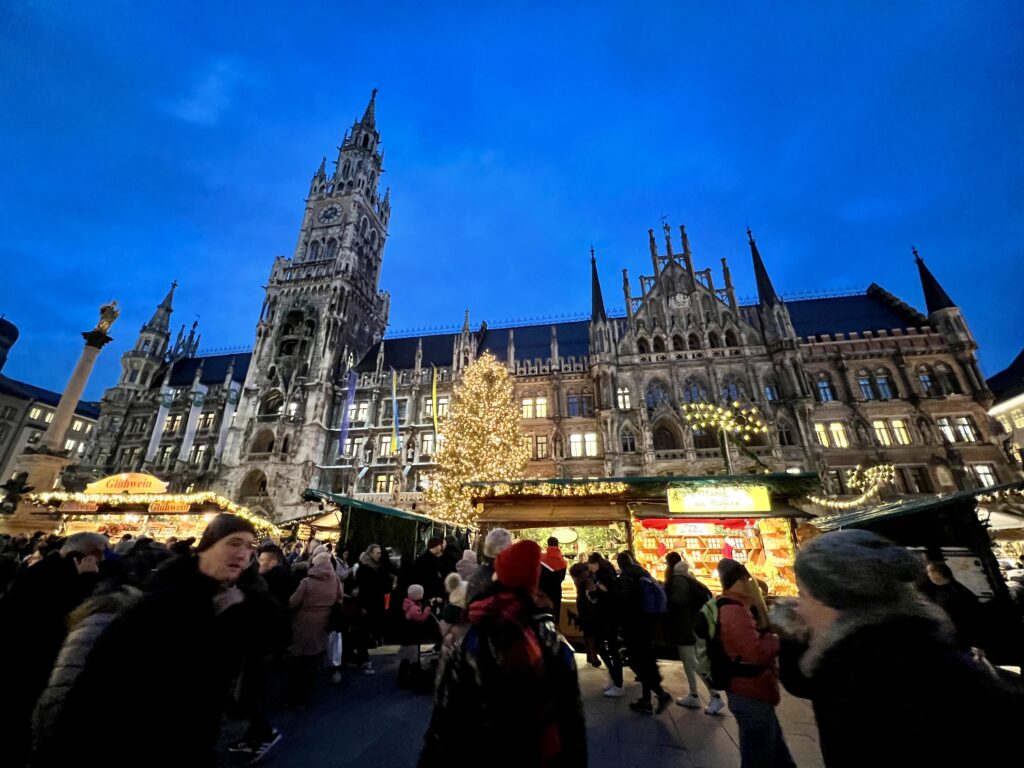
[(480, 440)]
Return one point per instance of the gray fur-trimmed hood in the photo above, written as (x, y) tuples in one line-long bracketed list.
[(911, 605)]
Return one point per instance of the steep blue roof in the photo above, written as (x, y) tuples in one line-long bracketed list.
[(1009, 382), (215, 368), (874, 310)]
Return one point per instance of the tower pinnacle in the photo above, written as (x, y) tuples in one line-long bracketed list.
[(596, 299), (369, 116), (934, 296), (765, 289)]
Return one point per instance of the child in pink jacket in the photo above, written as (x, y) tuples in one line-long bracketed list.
[(415, 616)]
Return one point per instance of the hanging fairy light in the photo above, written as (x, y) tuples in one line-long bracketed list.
[(741, 422), (868, 482)]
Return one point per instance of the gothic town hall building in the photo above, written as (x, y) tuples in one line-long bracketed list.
[(842, 381)]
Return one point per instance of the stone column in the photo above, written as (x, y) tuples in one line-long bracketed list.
[(53, 440)]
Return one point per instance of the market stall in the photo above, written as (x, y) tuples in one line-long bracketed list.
[(955, 529), (751, 518), (138, 504)]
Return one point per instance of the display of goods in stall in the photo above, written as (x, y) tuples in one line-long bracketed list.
[(764, 546)]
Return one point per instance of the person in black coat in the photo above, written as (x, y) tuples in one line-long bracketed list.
[(956, 600), (686, 596), (427, 569), (604, 620), (192, 620), (373, 582), (888, 684), (34, 617), (638, 632)]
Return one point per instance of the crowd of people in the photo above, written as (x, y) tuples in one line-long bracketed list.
[(880, 642)]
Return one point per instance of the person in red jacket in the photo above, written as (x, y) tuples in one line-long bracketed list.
[(743, 631)]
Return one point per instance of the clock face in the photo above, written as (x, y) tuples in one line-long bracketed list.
[(329, 214)]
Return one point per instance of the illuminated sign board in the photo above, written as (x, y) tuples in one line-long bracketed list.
[(77, 506), (127, 482), (712, 499), (169, 506)]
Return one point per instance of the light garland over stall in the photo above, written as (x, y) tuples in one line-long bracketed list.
[(868, 481)]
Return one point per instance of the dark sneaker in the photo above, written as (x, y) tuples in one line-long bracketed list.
[(642, 705), (260, 752), (664, 699)]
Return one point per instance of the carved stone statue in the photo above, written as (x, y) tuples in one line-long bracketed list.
[(108, 314)]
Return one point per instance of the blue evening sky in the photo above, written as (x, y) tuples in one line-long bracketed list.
[(150, 141)]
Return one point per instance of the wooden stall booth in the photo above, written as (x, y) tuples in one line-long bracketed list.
[(138, 504), (751, 518)]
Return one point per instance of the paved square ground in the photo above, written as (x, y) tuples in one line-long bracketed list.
[(366, 721)]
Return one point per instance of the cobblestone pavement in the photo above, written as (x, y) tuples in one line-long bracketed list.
[(365, 721)]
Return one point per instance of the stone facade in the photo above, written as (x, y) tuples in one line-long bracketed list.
[(842, 381)]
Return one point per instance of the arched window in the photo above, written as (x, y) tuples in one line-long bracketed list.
[(369, 182), (825, 392), (713, 340), (313, 251), (272, 403), (628, 441), (657, 394), (366, 140), (927, 381), (884, 384), (867, 386), (731, 339), (345, 169), (677, 343), (785, 433), (332, 249), (641, 347), (771, 390), (623, 399), (254, 484), (664, 439), (145, 345), (363, 225), (373, 237), (730, 389), (263, 442), (947, 380), (659, 344), (694, 341), (693, 391), (705, 439), (284, 445)]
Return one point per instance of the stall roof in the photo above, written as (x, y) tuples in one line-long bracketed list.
[(856, 518), (640, 488), (312, 494)]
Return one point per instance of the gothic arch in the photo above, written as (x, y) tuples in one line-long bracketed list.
[(657, 394), (731, 338), (694, 341), (678, 345), (262, 442), (713, 340), (254, 484), (642, 347), (665, 436), (695, 390), (659, 344)]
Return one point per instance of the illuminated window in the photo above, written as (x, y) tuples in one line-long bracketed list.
[(965, 429), (527, 407), (837, 432), (442, 407), (198, 454), (821, 433), (427, 444), (171, 424), (576, 445), (946, 428), (622, 397), (357, 412), (985, 473), (69, 445), (542, 446), (384, 446), (77, 425), (81, 448), (349, 448), (49, 417), (590, 443), (1018, 418), (900, 432), (383, 483), (163, 455), (35, 413), (88, 428), (541, 407), (882, 432), (206, 420)]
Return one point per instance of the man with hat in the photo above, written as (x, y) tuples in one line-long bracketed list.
[(508, 689), (193, 621), (427, 570)]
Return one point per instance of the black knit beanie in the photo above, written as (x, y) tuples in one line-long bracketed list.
[(223, 525), (847, 569), (731, 571)]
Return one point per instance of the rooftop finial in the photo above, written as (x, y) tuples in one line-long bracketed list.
[(750, 236), (917, 256), (369, 116)]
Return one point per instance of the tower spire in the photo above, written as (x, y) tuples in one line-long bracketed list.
[(161, 320), (596, 299), (765, 289), (934, 296), (369, 116)]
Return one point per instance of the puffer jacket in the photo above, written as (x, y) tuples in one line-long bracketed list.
[(745, 643), (311, 605), (86, 623)]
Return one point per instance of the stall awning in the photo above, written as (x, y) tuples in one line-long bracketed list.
[(540, 514), (860, 517), (312, 494)]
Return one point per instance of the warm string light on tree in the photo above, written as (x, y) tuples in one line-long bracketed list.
[(734, 419), (555, 490), (481, 440), (868, 481)]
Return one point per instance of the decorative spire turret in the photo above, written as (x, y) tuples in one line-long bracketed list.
[(765, 290), (935, 298), (369, 116), (160, 322), (654, 250), (596, 299)]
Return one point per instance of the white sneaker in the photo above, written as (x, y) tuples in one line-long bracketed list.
[(690, 701), (614, 692), (715, 706), (336, 678), (368, 669)]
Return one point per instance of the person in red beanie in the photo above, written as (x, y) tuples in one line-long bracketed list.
[(511, 681)]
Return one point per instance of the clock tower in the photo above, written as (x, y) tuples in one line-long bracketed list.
[(322, 310)]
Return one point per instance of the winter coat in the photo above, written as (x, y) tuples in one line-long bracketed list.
[(507, 692), (605, 603), (962, 606), (745, 643), (416, 625), (890, 688), (686, 596), (552, 573), (629, 596), (481, 580), (373, 582), (427, 572), (311, 609), (175, 627), (87, 622)]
